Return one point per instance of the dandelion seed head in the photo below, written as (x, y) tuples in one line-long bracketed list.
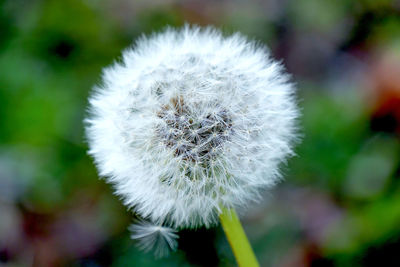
[(189, 121)]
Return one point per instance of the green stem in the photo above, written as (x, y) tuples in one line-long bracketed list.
[(237, 238)]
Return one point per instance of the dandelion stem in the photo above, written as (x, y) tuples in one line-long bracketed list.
[(237, 238)]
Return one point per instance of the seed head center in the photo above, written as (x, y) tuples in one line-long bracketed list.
[(191, 134)]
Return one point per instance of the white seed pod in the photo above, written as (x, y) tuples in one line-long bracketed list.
[(190, 121)]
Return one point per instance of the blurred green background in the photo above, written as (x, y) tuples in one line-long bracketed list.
[(340, 202)]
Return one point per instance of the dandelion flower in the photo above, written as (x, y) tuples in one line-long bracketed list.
[(188, 122)]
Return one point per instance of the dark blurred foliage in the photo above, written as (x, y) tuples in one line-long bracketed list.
[(340, 202)]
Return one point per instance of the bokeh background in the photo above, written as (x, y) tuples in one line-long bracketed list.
[(340, 202)]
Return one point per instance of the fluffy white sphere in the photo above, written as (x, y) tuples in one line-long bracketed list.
[(190, 121)]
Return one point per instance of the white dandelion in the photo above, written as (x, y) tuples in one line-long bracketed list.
[(190, 122)]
